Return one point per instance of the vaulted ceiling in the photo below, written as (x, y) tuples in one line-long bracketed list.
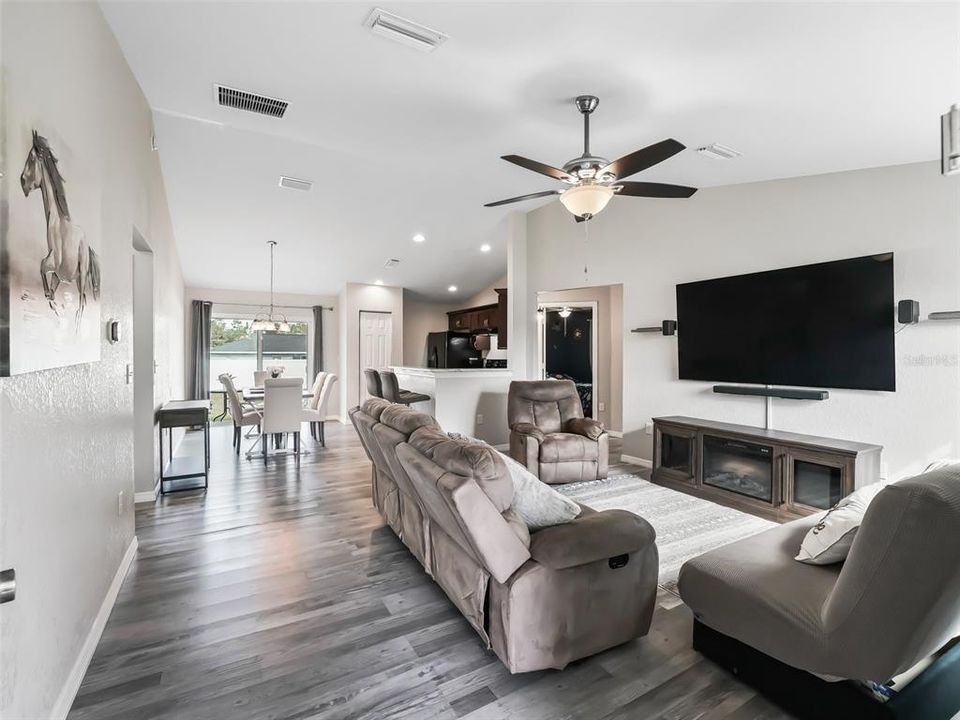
[(399, 142)]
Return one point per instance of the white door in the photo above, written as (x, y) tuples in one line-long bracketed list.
[(376, 342)]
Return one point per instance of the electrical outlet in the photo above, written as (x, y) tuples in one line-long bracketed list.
[(479, 419), (601, 406), (648, 428), (120, 504)]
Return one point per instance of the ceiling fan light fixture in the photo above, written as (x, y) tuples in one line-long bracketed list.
[(586, 200), (565, 313)]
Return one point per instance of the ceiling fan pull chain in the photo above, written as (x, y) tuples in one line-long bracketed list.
[(586, 240)]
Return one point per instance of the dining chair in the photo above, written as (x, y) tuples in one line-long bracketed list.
[(282, 408), (316, 416), (317, 386), (243, 413)]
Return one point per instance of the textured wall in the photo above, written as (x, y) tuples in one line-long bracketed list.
[(651, 246), (66, 448)]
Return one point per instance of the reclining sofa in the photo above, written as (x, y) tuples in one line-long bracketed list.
[(539, 600)]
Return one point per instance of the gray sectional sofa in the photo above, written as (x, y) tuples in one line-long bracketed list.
[(539, 600)]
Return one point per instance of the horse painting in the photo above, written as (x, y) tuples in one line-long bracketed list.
[(69, 258)]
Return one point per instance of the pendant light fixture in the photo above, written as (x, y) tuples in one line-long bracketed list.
[(271, 321)]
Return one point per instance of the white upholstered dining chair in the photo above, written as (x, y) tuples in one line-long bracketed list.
[(243, 413), (282, 408), (317, 414)]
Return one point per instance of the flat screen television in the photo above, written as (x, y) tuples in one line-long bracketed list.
[(825, 325)]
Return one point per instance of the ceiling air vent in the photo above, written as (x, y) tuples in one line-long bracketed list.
[(392, 262), (294, 183), (251, 102), (404, 31), (719, 152)]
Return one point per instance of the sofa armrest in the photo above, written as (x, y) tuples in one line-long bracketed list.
[(528, 429), (591, 537), (587, 427)]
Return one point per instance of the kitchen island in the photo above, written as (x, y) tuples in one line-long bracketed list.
[(468, 401)]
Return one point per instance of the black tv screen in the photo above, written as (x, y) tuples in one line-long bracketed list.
[(824, 325)]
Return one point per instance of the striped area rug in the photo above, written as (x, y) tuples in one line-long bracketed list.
[(686, 526)]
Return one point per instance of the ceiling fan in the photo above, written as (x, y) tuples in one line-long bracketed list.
[(594, 180)]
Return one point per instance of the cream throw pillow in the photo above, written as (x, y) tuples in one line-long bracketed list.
[(537, 504), (829, 541)]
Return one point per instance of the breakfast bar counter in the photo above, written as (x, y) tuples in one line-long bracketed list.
[(471, 401)]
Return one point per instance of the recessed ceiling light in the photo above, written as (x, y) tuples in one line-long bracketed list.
[(401, 30), (719, 152), (418, 238), (378, 282), (452, 288), (485, 247)]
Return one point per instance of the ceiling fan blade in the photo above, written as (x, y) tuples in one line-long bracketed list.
[(521, 198), (654, 190), (537, 167), (643, 159)]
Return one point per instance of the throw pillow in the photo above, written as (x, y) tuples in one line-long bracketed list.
[(941, 463), (537, 504), (830, 540)]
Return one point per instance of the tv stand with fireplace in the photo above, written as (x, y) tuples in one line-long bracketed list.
[(772, 473)]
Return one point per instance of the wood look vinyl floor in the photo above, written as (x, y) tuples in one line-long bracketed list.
[(279, 594)]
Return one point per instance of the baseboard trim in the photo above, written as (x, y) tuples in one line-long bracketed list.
[(634, 460), (502, 446), (147, 496), (69, 692), (615, 433)]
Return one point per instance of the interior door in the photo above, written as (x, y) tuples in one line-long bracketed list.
[(376, 343)]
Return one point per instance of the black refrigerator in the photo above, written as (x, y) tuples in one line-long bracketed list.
[(451, 350)]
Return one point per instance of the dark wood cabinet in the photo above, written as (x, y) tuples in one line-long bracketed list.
[(484, 318)]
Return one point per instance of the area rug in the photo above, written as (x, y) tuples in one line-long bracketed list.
[(686, 526)]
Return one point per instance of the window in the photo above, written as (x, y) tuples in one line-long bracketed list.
[(238, 350)]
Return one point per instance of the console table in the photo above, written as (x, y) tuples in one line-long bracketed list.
[(184, 413), (772, 473)]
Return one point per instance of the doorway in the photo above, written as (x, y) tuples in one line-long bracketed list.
[(376, 344), (144, 407), (568, 348)]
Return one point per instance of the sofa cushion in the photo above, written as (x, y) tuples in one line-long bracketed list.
[(754, 591), (476, 461), (374, 407), (538, 504), (404, 420), (830, 540), (565, 447)]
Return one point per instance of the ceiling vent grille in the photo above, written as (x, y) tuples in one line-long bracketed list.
[(251, 102), (404, 31), (392, 262), (294, 183), (719, 152)]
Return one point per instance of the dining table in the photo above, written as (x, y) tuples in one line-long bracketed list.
[(256, 393)]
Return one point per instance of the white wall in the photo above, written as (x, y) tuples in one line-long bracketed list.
[(66, 450), (354, 299), (487, 296), (419, 319), (254, 301), (650, 246)]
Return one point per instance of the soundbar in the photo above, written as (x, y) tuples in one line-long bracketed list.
[(758, 391)]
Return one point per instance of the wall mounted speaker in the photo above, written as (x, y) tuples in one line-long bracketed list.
[(908, 312), (669, 327)]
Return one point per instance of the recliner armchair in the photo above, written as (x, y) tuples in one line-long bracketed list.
[(551, 437)]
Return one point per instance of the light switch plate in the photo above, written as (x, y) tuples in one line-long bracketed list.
[(601, 406), (648, 428), (479, 419)]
